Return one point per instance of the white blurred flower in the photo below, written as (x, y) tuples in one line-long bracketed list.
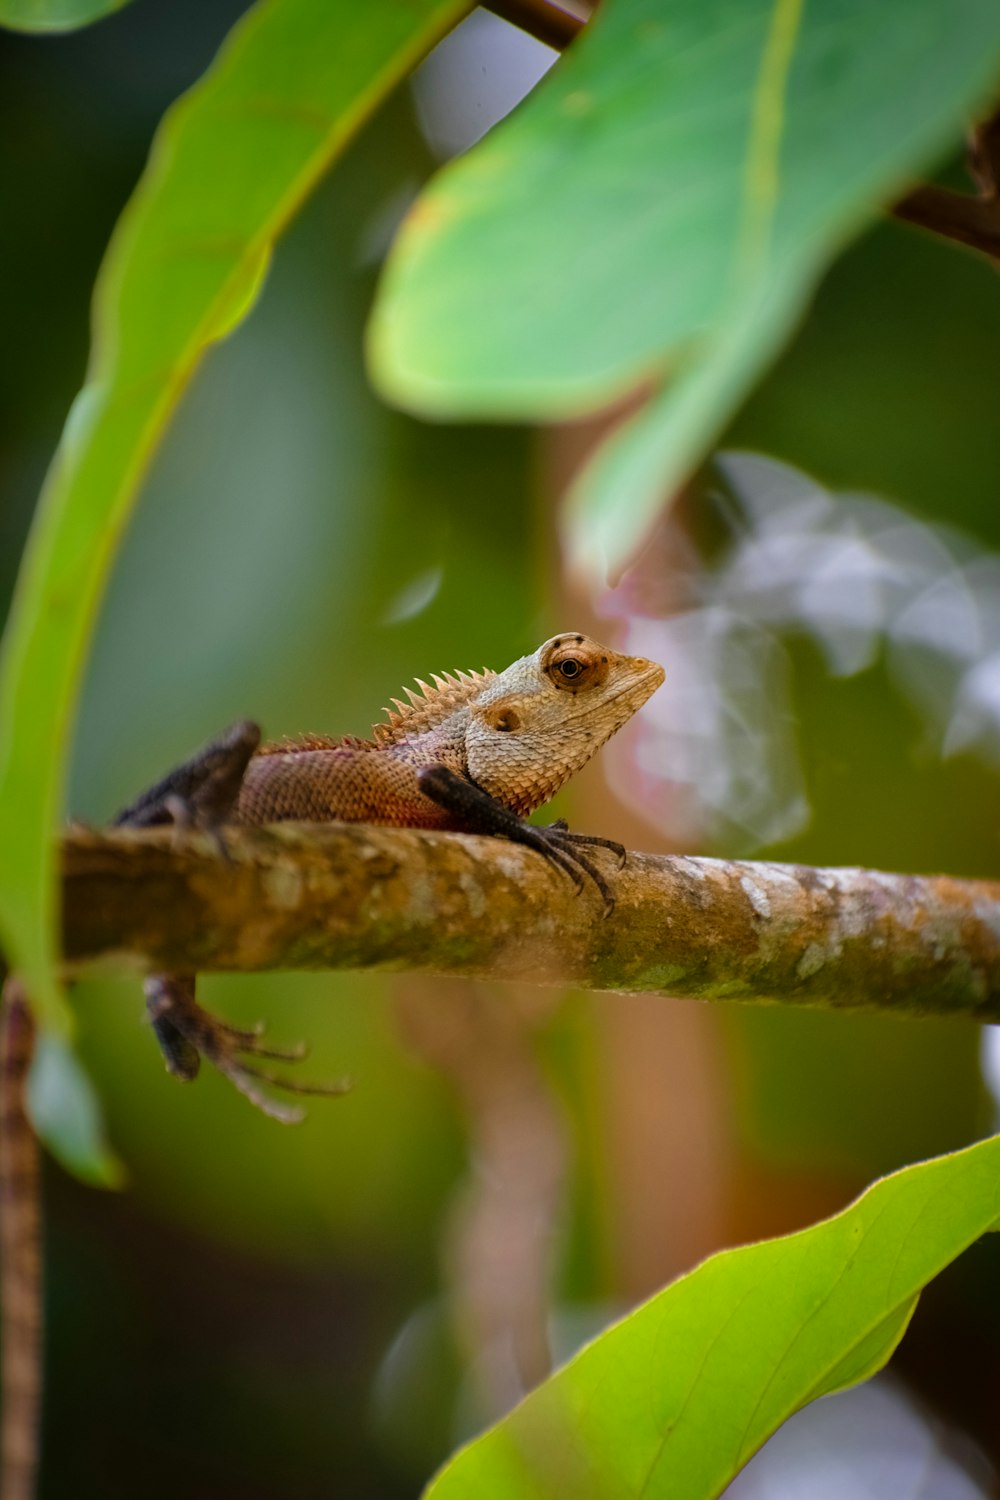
[(866, 1444), (715, 751), (473, 78)]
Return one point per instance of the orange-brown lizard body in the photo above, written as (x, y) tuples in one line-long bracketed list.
[(474, 752)]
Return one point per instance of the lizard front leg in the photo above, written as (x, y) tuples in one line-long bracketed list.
[(202, 793), (478, 812)]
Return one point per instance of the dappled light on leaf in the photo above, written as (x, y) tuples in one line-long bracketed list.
[(854, 574)]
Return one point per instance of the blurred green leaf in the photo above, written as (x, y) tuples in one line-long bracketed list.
[(66, 1114), (658, 212), (55, 15), (231, 163), (673, 1400)]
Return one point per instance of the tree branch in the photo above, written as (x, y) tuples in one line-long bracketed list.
[(969, 220), (353, 896), (548, 23)]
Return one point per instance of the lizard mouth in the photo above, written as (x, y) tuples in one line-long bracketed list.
[(650, 673), (646, 684)]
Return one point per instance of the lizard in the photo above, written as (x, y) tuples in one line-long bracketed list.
[(471, 752)]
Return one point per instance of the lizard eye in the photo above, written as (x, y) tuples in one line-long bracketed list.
[(571, 672), (574, 663)]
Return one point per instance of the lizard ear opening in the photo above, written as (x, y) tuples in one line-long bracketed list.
[(503, 719)]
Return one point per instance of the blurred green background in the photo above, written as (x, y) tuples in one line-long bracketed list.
[(269, 1312)]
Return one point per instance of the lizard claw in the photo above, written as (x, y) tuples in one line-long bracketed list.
[(244, 1077), (568, 844), (562, 848), (187, 1032), (561, 826), (251, 1039), (481, 813)]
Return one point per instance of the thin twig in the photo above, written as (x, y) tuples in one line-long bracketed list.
[(548, 23), (353, 896), (970, 219)]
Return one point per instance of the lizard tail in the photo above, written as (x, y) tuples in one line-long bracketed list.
[(20, 1254)]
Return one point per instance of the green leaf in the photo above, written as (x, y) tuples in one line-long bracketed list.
[(672, 1401), (230, 164), (66, 1114), (657, 214), (55, 15)]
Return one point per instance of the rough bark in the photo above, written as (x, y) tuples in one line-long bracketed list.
[(352, 896)]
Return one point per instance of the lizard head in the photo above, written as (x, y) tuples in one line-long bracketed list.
[(538, 722)]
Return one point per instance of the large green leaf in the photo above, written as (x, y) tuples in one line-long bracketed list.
[(230, 164), (658, 212), (674, 1399)]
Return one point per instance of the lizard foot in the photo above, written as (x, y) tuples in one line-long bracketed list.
[(562, 849), (561, 826), (560, 836), (481, 813), (187, 1033)]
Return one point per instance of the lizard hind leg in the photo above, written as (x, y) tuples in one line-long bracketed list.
[(202, 793), (187, 1032)]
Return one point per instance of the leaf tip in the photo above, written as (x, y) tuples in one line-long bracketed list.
[(66, 1114)]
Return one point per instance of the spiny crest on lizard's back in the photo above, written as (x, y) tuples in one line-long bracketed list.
[(431, 706), (425, 710), (292, 744)]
